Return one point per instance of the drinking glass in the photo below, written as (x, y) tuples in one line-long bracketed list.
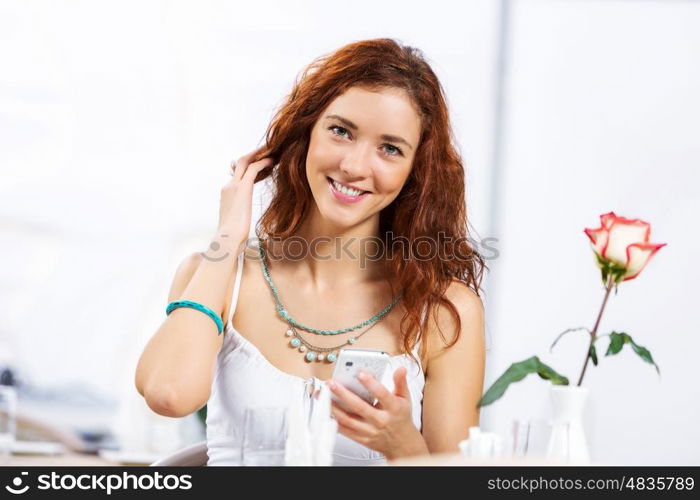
[(8, 410), (530, 438), (264, 436)]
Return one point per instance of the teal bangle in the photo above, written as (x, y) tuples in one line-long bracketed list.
[(200, 307)]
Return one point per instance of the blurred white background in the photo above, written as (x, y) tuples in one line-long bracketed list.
[(118, 122)]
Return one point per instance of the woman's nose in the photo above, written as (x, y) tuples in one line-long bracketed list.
[(357, 162)]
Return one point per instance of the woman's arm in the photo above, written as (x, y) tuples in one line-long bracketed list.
[(454, 376), (176, 368)]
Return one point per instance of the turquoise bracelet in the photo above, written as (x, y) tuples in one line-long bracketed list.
[(196, 305)]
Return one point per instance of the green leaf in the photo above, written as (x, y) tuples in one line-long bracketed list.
[(565, 332), (618, 273), (594, 355), (618, 340), (643, 353), (601, 261), (603, 264), (515, 373), (609, 268)]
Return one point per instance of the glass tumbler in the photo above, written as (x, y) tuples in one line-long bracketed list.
[(530, 438), (264, 436)]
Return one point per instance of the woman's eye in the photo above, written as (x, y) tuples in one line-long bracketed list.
[(393, 150), (337, 130), (390, 150)]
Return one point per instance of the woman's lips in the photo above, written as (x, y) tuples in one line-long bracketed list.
[(345, 198)]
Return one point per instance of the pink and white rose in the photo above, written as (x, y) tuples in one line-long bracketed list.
[(624, 242)]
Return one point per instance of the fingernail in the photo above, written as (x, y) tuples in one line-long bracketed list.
[(362, 376), (332, 385)]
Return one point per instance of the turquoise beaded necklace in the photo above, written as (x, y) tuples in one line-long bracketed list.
[(312, 352)]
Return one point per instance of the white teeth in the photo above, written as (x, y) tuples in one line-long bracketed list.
[(344, 190)]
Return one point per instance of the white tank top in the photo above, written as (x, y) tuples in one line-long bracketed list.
[(245, 378)]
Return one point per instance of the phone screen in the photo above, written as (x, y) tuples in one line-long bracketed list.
[(351, 361)]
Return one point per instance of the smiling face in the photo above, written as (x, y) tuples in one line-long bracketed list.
[(367, 140)]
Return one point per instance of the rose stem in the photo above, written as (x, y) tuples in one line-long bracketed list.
[(609, 286)]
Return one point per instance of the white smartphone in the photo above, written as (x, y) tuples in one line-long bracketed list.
[(352, 360)]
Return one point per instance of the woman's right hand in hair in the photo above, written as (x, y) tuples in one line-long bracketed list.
[(235, 207)]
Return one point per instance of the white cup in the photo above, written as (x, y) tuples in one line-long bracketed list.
[(264, 436)]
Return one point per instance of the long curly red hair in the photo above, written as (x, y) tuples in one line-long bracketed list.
[(431, 202)]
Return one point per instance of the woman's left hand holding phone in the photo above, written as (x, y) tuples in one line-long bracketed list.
[(386, 427)]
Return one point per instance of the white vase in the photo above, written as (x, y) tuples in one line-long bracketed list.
[(567, 442)]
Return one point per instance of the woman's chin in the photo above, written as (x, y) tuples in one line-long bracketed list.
[(339, 217)]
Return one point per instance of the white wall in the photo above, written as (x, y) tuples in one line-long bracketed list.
[(602, 113)]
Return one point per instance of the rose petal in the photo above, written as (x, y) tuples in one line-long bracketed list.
[(623, 233), (638, 255), (599, 238), (624, 220), (606, 220)]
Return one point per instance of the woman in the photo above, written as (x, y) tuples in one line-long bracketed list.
[(361, 158)]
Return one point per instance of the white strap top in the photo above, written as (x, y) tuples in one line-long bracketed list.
[(245, 378)]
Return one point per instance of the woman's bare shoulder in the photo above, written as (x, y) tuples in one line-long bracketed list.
[(442, 325), (251, 253)]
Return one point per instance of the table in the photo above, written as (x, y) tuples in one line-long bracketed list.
[(459, 460), (62, 460)]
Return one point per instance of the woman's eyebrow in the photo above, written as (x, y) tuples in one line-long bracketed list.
[(349, 124)]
